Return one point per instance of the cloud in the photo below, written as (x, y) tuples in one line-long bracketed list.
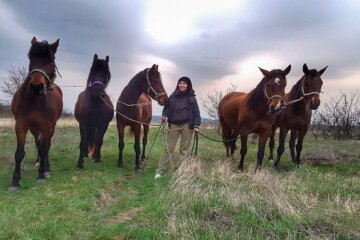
[(218, 42)]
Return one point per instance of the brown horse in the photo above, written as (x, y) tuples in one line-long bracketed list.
[(93, 111), (130, 112), (303, 97), (36, 106), (244, 113)]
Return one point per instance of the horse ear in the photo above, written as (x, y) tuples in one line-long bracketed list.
[(153, 68), (264, 72), (107, 59), (55, 45), (287, 70), (157, 67), (96, 57), (322, 70), (305, 69), (33, 41)]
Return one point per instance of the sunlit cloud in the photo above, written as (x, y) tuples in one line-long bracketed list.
[(169, 22)]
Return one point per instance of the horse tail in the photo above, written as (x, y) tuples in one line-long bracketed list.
[(91, 133), (220, 118)]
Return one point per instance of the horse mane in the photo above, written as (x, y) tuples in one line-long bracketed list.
[(98, 65), (296, 89), (41, 50), (134, 82)]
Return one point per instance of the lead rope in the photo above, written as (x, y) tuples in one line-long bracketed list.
[(161, 128)]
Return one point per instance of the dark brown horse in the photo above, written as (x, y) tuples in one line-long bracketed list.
[(36, 106), (130, 113), (303, 97), (93, 111), (244, 113)]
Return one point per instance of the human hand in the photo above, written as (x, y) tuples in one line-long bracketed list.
[(196, 130)]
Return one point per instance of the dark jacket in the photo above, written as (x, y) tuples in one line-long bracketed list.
[(193, 108)]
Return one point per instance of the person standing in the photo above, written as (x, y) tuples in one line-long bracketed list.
[(183, 116)]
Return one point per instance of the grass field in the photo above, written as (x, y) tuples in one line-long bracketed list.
[(206, 198)]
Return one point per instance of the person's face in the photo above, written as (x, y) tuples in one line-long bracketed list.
[(182, 86)]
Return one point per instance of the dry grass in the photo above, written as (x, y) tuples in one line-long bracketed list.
[(265, 193)]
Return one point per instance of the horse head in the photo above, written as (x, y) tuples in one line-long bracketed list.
[(99, 76), (42, 66), (155, 88), (274, 88), (311, 86)]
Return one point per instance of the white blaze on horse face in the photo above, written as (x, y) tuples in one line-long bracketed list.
[(277, 81)]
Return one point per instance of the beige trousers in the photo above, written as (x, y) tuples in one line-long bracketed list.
[(175, 131)]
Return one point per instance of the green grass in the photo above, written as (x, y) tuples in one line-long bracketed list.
[(206, 198)]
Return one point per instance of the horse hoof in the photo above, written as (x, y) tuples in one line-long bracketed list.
[(138, 170), (271, 162), (79, 167), (97, 161), (47, 174), (41, 180), (37, 164), (14, 188)]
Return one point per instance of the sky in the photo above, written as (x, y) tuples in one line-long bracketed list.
[(215, 43)]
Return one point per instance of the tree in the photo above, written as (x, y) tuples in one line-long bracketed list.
[(16, 77), (211, 102), (340, 117)]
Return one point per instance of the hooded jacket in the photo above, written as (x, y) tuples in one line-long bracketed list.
[(193, 108)]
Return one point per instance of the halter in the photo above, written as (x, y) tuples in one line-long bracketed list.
[(98, 82), (303, 95), (157, 95), (271, 97), (49, 80)]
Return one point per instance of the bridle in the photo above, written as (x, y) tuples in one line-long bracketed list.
[(303, 95), (100, 83), (157, 95), (50, 81), (271, 97)]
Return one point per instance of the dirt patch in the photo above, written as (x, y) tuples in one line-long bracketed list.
[(125, 216), (328, 158), (104, 200)]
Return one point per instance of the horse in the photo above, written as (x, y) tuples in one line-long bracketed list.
[(94, 111), (36, 106), (131, 113), (254, 112), (296, 116)]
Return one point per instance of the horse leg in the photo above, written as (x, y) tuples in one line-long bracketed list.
[(137, 131), (99, 139), (263, 137), (91, 142), (43, 150), (226, 135), (21, 132), (47, 163), (272, 145), (120, 128), (243, 151), (232, 143), (281, 147), (299, 144), (83, 146), (293, 137), (144, 141)]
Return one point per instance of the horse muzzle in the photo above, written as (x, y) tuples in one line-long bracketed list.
[(162, 99), (39, 89), (314, 103)]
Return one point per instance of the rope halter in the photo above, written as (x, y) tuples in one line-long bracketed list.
[(271, 97), (157, 95), (49, 80)]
